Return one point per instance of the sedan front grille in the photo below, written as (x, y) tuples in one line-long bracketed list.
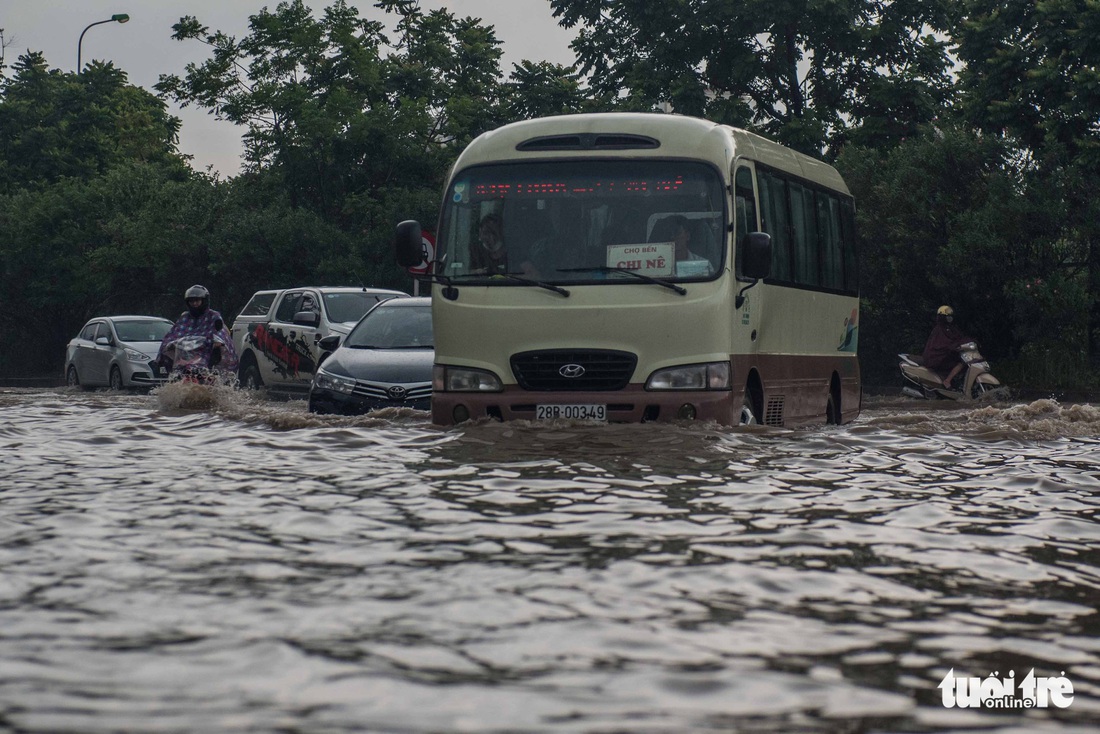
[(382, 391), (573, 369)]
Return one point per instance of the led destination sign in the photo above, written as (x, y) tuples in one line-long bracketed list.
[(587, 187)]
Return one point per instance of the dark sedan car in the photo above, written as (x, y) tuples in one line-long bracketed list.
[(385, 362)]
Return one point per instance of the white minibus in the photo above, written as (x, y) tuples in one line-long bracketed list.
[(641, 267)]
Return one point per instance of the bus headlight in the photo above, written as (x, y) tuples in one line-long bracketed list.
[(709, 376), (464, 379)]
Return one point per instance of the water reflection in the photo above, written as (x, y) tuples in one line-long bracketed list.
[(240, 565)]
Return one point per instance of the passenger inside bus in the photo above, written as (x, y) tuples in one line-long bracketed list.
[(490, 256), (531, 248), (678, 230)]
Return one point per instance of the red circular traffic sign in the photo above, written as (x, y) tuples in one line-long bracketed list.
[(427, 249)]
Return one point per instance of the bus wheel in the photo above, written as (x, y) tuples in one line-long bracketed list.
[(832, 408), (748, 416)]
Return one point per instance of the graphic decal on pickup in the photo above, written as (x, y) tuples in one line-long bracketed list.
[(290, 358)]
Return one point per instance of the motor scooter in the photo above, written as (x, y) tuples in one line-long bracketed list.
[(190, 360), (976, 382)]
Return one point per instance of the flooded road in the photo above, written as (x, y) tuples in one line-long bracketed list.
[(237, 565)]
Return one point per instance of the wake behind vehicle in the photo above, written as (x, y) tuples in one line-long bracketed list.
[(385, 362), (975, 383), (116, 352)]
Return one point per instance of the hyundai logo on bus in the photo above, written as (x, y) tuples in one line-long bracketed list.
[(571, 370)]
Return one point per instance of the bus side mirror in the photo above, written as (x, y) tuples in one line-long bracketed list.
[(407, 245), (757, 255)]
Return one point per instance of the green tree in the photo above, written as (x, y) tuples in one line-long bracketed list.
[(951, 216), (359, 136), (88, 173), (343, 126), (811, 74), (55, 125), (1032, 74), (543, 89)]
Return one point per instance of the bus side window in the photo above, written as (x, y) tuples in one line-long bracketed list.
[(804, 225), (773, 203)]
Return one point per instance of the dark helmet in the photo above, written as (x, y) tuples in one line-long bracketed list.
[(197, 291)]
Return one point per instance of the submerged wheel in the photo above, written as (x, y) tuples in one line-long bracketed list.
[(748, 414), (832, 407), (116, 378), (981, 390), (250, 378), (72, 379)]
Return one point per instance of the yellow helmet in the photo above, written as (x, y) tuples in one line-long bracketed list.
[(945, 311)]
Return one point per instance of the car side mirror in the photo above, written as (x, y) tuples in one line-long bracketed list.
[(756, 255), (408, 244), (330, 343), (103, 341), (307, 318)]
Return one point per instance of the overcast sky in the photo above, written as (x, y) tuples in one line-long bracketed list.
[(144, 48)]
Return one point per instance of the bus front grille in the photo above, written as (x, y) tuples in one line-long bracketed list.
[(573, 369)]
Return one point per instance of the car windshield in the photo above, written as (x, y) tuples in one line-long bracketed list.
[(584, 222), (347, 308), (142, 331), (393, 327)]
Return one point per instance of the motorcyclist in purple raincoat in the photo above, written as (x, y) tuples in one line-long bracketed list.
[(201, 320)]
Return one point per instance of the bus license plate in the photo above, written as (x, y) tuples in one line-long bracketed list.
[(572, 412)]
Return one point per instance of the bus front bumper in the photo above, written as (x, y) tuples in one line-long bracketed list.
[(632, 404)]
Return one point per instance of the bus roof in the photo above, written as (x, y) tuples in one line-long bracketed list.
[(676, 136)]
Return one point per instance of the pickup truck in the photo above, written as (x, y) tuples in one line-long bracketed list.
[(278, 333)]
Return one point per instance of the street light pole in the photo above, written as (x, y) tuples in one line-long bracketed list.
[(117, 18)]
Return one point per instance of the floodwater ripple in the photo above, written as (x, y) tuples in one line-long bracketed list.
[(202, 562)]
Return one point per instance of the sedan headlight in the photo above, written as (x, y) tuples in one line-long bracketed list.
[(708, 376), (325, 380), (464, 379), (135, 356)]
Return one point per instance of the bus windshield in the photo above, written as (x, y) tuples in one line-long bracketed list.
[(581, 221)]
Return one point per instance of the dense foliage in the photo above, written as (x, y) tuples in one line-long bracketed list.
[(967, 131)]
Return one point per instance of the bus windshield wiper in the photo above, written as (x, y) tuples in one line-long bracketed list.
[(647, 278), (449, 281), (539, 283)]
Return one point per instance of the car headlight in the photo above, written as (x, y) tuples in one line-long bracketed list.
[(135, 356), (708, 376), (464, 379), (327, 381)]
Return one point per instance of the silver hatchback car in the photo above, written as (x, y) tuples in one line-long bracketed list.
[(116, 352)]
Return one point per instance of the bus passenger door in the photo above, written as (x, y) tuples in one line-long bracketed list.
[(746, 322)]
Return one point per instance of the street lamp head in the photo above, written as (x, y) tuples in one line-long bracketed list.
[(116, 18)]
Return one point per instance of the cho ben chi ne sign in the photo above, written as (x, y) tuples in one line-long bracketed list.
[(656, 259)]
